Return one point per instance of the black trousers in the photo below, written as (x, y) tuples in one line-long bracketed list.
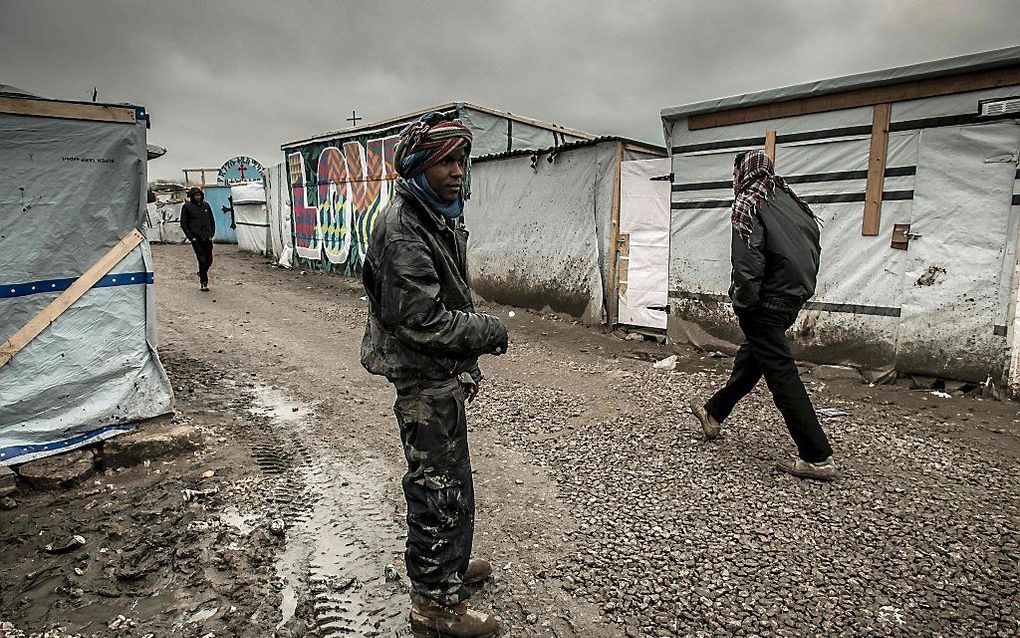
[(203, 251), (766, 352), (438, 489)]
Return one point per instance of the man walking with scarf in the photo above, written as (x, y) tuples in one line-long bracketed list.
[(424, 335), (775, 254)]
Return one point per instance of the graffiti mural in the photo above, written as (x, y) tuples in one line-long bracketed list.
[(337, 192)]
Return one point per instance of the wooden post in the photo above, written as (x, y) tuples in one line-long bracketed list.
[(83, 284), (876, 169), (770, 145), (612, 296)]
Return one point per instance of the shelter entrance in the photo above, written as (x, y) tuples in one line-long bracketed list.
[(958, 273), (643, 262)]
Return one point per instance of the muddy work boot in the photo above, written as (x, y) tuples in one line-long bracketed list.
[(709, 425), (432, 620), (821, 471), (478, 571)]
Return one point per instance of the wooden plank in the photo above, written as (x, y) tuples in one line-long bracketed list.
[(770, 145), (917, 89), (67, 110), (83, 284), (876, 169), (614, 239)]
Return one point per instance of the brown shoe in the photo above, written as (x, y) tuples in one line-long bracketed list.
[(429, 618), (477, 572), (709, 425), (821, 471)]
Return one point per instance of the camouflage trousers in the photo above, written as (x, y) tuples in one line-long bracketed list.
[(438, 488)]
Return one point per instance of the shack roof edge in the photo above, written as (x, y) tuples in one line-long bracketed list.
[(981, 61), (389, 122)]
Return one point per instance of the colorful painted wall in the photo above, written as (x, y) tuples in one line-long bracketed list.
[(338, 188)]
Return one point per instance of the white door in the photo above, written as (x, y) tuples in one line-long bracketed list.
[(643, 263), (956, 289)]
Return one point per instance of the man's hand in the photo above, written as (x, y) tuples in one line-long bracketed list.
[(471, 390), (470, 386)]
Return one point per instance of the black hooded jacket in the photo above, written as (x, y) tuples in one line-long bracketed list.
[(777, 268), (422, 324), (197, 220)]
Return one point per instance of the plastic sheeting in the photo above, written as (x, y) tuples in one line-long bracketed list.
[(71, 190), (644, 235), (250, 217), (943, 182), (533, 235), (281, 236)]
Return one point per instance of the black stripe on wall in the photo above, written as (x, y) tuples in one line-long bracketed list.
[(836, 176), (908, 125), (839, 198), (1016, 200), (848, 308)]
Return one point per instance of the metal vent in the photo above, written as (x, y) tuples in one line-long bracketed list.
[(999, 106)]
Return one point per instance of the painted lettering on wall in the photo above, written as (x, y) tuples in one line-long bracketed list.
[(337, 193)]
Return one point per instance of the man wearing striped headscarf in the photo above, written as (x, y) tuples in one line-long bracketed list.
[(424, 335), (775, 253)]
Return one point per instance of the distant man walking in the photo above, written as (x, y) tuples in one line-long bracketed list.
[(199, 227), (775, 253), (424, 335)]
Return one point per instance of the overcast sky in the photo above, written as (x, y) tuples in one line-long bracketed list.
[(229, 78)]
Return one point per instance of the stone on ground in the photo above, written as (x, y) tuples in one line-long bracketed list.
[(8, 481), (156, 441), (60, 471)]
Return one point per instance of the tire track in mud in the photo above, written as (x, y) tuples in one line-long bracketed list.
[(340, 532)]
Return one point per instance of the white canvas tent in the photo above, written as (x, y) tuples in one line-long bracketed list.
[(545, 226), (913, 174), (250, 217), (72, 206)]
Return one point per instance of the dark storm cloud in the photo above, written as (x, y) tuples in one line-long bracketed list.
[(224, 78)]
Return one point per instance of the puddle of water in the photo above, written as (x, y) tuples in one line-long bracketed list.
[(272, 403), (205, 612), (244, 524), (340, 532)]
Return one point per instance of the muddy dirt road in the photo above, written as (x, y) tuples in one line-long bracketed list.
[(602, 511)]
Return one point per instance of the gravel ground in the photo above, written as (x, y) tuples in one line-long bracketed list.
[(680, 537)]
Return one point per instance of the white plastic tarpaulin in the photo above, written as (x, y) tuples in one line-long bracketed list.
[(941, 302), (71, 190), (250, 217), (281, 239), (533, 233)]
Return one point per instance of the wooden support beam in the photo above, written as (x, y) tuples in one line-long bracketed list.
[(611, 296), (66, 299), (770, 145), (67, 110), (915, 90), (876, 169)]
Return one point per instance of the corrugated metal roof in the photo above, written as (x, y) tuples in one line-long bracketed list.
[(950, 66), (397, 120)]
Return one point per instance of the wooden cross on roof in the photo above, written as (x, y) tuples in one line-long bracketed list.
[(353, 119)]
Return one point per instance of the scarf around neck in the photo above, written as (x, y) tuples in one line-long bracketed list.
[(419, 186), (755, 182)]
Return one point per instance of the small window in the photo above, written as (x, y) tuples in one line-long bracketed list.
[(999, 107)]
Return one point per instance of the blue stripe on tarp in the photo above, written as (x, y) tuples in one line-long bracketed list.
[(14, 454), (59, 285)]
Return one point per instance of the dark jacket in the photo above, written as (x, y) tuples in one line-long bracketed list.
[(422, 325), (197, 220), (778, 269)]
